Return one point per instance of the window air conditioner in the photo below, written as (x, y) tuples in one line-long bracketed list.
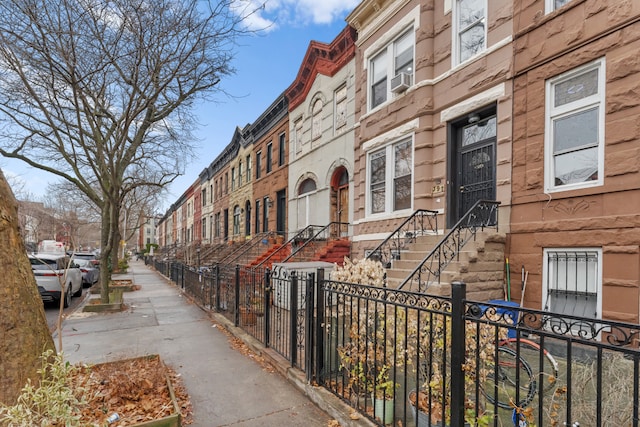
[(400, 82)]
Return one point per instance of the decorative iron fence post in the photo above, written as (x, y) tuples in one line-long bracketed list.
[(318, 329), (293, 329), (309, 296), (182, 275), (267, 306), (216, 284), (236, 315), (458, 296)]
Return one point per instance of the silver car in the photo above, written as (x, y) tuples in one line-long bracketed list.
[(50, 271), (90, 273)]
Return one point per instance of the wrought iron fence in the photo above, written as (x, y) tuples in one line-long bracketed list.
[(412, 359)]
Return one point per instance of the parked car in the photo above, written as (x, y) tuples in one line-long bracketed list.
[(90, 271), (49, 271), (95, 260)]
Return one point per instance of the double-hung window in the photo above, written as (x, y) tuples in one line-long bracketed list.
[(470, 17), (574, 132), (258, 164), (395, 58), (572, 281), (340, 107), (282, 149), (390, 178), (269, 157)]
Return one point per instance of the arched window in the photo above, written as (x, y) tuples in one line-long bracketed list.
[(316, 124), (307, 186)]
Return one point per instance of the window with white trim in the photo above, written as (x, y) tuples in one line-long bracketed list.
[(233, 179), (297, 135), (340, 98), (574, 133), (236, 220), (470, 17), (552, 5), (306, 190), (572, 281), (316, 119), (395, 58), (390, 171)]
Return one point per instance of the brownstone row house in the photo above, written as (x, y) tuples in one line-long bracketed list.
[(435, 105)]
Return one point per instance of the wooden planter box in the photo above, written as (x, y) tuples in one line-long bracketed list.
[(173, 420), (125, 285), (94, 305)]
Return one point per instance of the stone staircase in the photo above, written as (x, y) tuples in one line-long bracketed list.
[(480, 264), (335, 251)]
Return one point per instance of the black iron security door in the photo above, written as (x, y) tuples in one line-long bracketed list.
[(475, 177)]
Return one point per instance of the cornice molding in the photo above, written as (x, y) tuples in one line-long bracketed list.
[(321, 58)]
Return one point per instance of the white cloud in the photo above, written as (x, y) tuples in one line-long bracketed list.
[(267, 15)]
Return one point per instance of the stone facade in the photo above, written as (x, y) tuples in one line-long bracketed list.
[(270, 189), (445, 94), (321, 121), (601, 215)]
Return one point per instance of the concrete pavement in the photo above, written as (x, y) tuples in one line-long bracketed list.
[(226, 387)]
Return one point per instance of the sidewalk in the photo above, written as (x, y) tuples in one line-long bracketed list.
[(226, 387)]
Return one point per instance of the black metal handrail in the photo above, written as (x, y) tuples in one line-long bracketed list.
[(245, 248), (315, 239), (483, 214), (406, 233), (299, 235)]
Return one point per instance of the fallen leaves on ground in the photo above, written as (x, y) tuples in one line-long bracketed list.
[(135, 389), (241, 347)]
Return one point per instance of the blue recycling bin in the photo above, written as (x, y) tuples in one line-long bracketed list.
[(507, 312)]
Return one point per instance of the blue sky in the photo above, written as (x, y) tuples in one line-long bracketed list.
[(266, 64)]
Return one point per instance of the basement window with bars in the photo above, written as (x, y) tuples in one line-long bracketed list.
[(572, 280)]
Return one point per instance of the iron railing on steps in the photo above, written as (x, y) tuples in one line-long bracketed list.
[(315, 238), (421, 222), (483, 214)]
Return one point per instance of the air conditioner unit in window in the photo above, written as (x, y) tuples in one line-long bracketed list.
[(400, 82)]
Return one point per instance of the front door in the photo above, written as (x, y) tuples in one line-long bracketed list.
[(340, 201), (473, 173)]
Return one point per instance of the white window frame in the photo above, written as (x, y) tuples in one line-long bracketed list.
[(389, 61), (550, 5), (296, 131), (553, 113), (305, 199), (455, 54), (547, 275), (389, 177), (316, 118), (340, 103)]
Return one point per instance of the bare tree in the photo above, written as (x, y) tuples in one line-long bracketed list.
[(24, 334), (100, 92)]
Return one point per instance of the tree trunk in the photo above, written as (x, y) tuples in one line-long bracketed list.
[(24, 334)]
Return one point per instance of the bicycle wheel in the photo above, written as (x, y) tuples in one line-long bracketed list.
[(546, 372), (510, 382)]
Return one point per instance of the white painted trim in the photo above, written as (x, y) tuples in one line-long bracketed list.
[(470, 104), (410, 19), (432, 82), (364, 33), (597, 99), (392, 135), (545, 273)]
